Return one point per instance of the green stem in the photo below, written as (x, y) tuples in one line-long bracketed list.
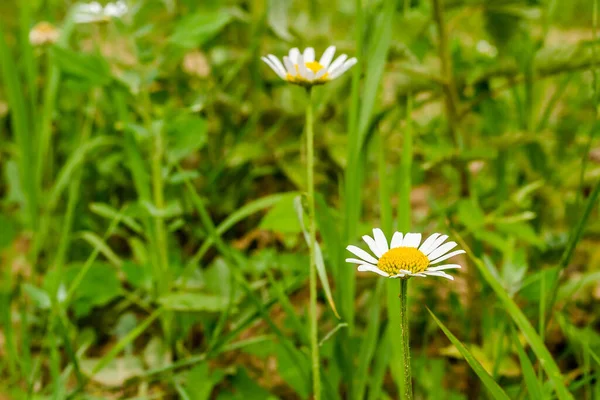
[(405, 328), (161, 237), (310, 164)]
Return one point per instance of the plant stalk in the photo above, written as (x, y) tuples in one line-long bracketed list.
[(405, 328), (310, 165)]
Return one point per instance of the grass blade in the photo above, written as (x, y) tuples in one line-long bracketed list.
[(22, 131), (533, 386), (369, 343), (494, 389), (538, 347), (318, 257)]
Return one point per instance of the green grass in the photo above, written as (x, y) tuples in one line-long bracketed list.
[(153, 238)]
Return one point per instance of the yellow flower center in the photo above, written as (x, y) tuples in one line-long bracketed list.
[(314, 66), (407, 258)]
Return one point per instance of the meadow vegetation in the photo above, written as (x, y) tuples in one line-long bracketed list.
[(153, 236)]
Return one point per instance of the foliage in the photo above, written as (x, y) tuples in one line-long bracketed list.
[(152, 233)]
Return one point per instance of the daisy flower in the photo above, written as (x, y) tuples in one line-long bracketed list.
[(94, 12), (302, 69), (405, 256), (43, 33)]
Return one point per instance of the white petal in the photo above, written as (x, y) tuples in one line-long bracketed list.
[(310, 75), (302, 70), (405, 272), (440, 251), (447, 256), (294, 53), (373, 246), (277, 63), (337, 63), (419, 274), (398, 276), (320, 73), (289, 66), (273, 67), (412, 240), (443, 267), (380, 239), (439, 273), (327, 56), (357, 251), (428, 242), (357, 261), (370, 268), (396, 240), (309, 54), (436, 244), (347, 65)]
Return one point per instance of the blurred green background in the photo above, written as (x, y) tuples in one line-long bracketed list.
[(149, 246)]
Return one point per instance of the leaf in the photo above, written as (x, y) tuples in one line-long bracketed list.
[(533, 386), (278, 18), (186, 135), (287, 368), (121, 344), (282, 218), (92, 69), (99, 286), (8, 231), (116, 373), (494, 389), (106, 211), (186, 301), (320, 264), (196, 29), (39, 296), (201, 381), (369, 342), (98, 243)]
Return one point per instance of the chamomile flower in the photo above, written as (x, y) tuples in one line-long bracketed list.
[(302, 68), (405, 256), (43, 33), (95, 12)]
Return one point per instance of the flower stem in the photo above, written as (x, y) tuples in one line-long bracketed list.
[(310, 163), (404, 328)]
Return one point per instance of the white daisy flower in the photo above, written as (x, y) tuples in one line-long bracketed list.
[(302, 68), (43, 33), (405, 256), (94, 12)]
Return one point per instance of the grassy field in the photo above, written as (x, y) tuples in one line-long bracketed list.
[(158, 209)]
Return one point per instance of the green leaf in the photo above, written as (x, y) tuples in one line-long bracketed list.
[(106, 211), (201, 381), (99, 286), (186, 135), (494, 389), (279, 10), (282, 218), (321, 271), (186, 301), (92, 69), (39, 296), (98, 243), (369, 342), (533, 386), (287, 368), (7, 233), (196, 29)]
